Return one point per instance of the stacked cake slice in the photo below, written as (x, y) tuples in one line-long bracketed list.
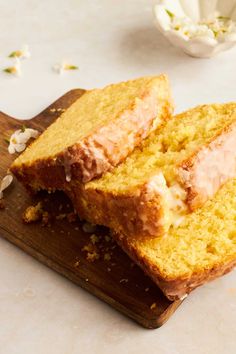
[(164, 185)]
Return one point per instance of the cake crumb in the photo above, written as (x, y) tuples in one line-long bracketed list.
[(124, 280), (88, 228), (61, 216), (107, 257), (153, 306), (76, 264), (94, 238), (108, 269), (147, 289), (91, 257), (92, 252), (33, 213)]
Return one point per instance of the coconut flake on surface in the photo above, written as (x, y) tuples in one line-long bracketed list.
[(15, 69), (5, 183), (61, 67), (214, 27), (23, 53), (19, 139)]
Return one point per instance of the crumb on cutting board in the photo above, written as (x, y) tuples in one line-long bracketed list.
[(33, 213), (153, 306)]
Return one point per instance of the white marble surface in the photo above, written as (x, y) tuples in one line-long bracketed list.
[(41, 312)]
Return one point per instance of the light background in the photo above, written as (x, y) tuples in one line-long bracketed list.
[(110, 40)]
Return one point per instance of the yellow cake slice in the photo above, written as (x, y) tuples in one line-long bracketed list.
[(97, 131), (176, 171), (202, 248)]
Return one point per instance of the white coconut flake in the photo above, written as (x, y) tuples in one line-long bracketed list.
[(61, 67), (19, 139), (5, 183), (183, 297), (215, 27)]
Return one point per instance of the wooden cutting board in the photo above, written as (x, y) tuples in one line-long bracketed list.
[(60, 245)]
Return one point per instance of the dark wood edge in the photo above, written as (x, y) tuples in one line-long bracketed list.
[(149, 323)]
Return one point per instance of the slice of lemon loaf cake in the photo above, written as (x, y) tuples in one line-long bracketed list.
[(202, 248), (97, 131), (175, 171)]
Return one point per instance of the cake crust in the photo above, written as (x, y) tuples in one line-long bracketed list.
[(203, 173), (173, 288)]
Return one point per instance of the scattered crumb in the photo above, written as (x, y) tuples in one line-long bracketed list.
[(108, 269), (76, 264), (107, 257), (107, 238), (60, 207), (153, 306), (147, 289), (88, 228), (92, 252), (132, 265), (33, 213), (60, 216), (125, 280), (52, 110), (76, 228), (86, 279), (91, 257), (94, 238)]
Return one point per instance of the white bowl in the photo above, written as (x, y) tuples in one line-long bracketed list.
[(199, 42)]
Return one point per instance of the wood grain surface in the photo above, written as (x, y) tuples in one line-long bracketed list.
[(60, 244)]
